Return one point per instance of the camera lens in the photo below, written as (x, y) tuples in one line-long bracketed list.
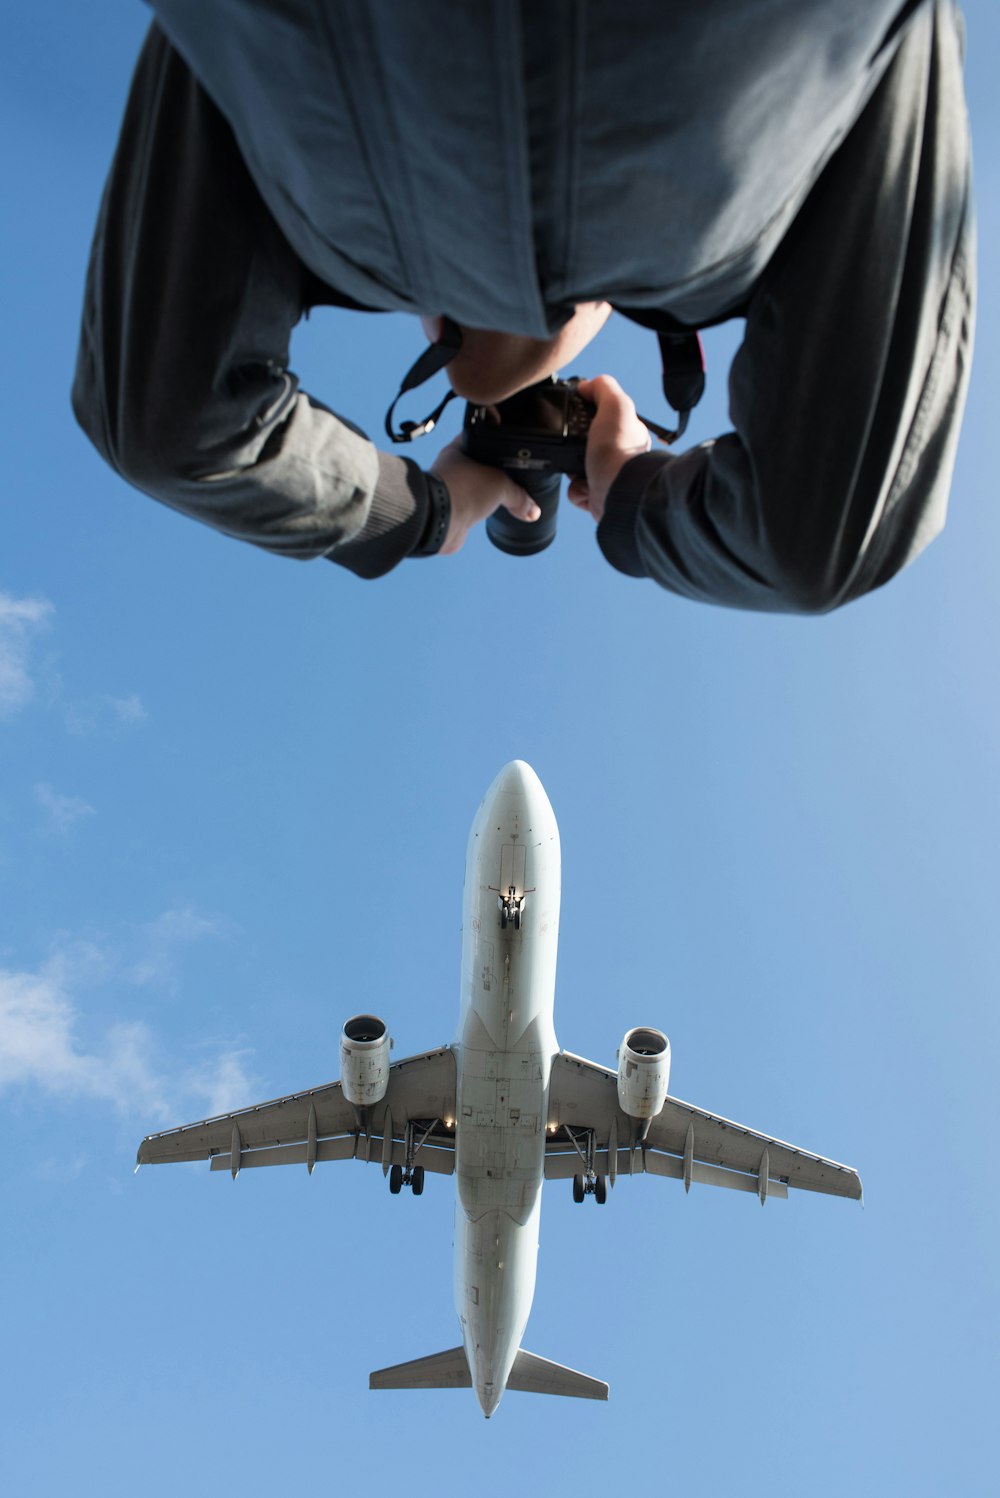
[(523, 538)]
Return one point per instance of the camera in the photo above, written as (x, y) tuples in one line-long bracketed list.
[(535, 436)]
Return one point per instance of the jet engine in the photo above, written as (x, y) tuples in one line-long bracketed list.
[(364, 1060), (643, 1072)]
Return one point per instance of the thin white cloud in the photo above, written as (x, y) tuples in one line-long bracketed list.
[(106, 714), (224, 1083), (163, 939), (64, 811), (20, 621), (41, 1048), (128, 709)]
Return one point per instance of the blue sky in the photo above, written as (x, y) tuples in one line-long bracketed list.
[(234, 800)]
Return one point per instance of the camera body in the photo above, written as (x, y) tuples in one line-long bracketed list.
[(535, 436)]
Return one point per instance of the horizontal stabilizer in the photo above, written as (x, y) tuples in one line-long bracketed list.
[(442, 1370), (535, 1375)]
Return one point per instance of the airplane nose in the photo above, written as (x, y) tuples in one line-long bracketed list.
[(518, 778)]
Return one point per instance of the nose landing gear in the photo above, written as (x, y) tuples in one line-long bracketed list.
[(511, 904)]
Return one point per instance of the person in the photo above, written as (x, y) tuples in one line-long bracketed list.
[(519, 170)]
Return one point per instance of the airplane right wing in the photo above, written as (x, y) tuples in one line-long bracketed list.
[(320, 1124), (685, 1142)]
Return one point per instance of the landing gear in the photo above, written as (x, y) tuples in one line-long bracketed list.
[(586, 1182), (590, 1185), (511, 906), (409, 1174)]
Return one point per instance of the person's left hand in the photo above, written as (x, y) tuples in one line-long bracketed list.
[(476, 490)]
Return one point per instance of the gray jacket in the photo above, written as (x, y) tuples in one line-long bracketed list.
[(801, 163)]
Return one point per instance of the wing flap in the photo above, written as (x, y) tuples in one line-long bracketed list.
[(439, 1159), (562, 1166)]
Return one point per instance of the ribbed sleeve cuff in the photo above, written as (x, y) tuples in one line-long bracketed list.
[(398, 520), (616, 534)]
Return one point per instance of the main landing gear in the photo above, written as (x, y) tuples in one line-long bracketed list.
[(590, 1185), (409, 1174), (398, 1178), (587, 1182)]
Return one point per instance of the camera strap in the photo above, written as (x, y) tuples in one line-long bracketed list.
[(431, 361), (681, 356), (683, 361)]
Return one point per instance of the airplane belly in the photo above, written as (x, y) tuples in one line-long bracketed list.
[(507, 1039), (506, 1043)]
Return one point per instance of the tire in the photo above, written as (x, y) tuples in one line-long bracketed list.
[(417, 1180), (503, 917), (601, 1190), (395, 1179), (578, 1191), (517, 919)]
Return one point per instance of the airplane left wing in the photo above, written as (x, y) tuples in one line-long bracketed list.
[(319, 1124), (683, 1141)]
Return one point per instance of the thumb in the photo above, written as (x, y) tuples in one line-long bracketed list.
[(519, 502)]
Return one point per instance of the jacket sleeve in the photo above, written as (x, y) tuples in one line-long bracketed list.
[(847, 393), (182, 380)]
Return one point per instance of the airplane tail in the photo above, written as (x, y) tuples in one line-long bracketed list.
[(450, 1370), (534, 1375), (442, 1370)]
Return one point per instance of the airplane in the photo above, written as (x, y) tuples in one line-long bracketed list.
[(503, 1109)]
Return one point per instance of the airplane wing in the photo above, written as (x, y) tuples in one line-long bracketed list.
[(683, 1141), (320, 1124)]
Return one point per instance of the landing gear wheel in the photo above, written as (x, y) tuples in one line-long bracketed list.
[(396, 1179), (601, 1190), (517, 918), (578, 1188), (417, 1180), (504, 916)]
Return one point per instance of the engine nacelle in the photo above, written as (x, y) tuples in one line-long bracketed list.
[(364, 1060), (643, 1072)]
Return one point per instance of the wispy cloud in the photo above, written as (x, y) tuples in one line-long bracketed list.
[(41, 1047), (162, 941), (64, 811), (106, 714), (20, 621)]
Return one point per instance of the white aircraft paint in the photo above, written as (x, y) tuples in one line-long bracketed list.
[(506, 1042), (503, 1109)]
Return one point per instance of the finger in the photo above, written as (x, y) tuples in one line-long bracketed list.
[(602, 390), (578, 491), (520, 503)]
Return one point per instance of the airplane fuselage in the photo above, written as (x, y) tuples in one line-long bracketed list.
[(504, 1051)]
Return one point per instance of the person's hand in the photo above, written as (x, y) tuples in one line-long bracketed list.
[(476, 491), (616, 434)]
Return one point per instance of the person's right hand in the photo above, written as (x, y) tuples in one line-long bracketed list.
[(616, 434), (476, 491)]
